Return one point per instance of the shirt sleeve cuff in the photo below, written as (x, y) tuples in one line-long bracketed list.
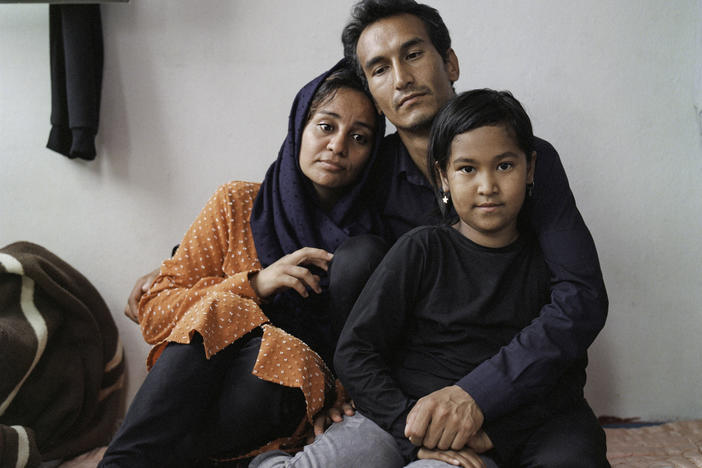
[(241, 286), (490, 389)]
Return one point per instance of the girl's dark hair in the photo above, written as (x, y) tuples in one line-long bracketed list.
[(468, 111), (367, 12), (343, 77), (474, 109)]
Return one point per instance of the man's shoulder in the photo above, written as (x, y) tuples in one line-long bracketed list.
[(543, 147)]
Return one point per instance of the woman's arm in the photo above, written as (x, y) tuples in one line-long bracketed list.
[(209, 274)]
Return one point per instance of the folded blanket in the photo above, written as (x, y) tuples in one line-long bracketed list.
[(60, 360)]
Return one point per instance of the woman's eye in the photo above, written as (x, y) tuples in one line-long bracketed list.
[(505, 166), (358, 138), (325, 127)]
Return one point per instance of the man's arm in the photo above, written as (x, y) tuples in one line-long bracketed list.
[(534, 360)]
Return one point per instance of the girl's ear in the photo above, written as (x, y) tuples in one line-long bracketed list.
[(531, 167), (442, 177)]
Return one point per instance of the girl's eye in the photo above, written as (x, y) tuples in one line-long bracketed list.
[(360, 139), (466, 169), (505, 166)]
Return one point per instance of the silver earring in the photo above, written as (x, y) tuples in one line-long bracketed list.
[(445, 198)]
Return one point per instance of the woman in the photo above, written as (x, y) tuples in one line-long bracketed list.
[(238, 316)]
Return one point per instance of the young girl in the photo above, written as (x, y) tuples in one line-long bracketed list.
[(238, 316), (452, 302)]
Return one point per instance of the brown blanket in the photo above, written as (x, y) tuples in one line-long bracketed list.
[(61, 365)]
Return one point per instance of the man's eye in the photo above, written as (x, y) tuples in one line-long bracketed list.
[(379, 71), (414, 55)]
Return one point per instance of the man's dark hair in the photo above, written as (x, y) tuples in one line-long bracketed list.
[(471, 110), (367, 12)]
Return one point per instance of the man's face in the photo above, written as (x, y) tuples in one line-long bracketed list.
[(406, 75)]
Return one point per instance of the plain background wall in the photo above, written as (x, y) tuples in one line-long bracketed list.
[(198, 93)]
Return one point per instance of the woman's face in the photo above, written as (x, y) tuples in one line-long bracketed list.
[(337, 142)]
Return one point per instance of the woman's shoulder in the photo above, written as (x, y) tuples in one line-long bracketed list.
[(241, 187), (237, 191)]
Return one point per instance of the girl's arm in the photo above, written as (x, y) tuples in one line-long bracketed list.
[(371, 338)]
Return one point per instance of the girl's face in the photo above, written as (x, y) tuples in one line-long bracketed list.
[(486, 175), (337, 142)]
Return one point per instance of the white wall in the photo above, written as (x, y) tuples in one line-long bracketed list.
[(196, 94)]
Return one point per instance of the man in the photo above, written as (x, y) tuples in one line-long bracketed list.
[(403, 51)]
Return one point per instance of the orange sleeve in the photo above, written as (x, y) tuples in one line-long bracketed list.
[(205, 286)]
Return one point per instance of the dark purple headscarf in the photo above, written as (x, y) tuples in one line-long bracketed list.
[(287, 215)]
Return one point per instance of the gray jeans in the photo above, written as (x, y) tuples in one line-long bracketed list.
[(353, 443)]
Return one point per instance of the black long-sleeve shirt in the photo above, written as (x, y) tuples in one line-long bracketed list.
[(577, 308), (438, 308)]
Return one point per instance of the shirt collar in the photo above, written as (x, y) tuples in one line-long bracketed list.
[(406, 165)]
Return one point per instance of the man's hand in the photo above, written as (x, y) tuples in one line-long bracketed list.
[(480, 442), (142, 285), (444, 419), (287, 273), (466, 458)]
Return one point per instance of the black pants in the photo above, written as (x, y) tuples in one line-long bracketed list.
[(189, 408), (354, 262), (571, 438)]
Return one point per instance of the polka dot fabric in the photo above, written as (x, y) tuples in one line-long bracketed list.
[(205, 288)]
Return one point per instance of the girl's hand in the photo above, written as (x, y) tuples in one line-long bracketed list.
[(287, 272), (465, 458)]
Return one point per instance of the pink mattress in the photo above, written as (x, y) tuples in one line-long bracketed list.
[(670, 445)]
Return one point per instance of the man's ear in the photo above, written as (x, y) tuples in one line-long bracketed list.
[(531, 168), (452, 68)]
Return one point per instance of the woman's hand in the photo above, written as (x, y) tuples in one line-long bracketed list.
[(287, 272), (334, 414), (466, 457), (140, 287)]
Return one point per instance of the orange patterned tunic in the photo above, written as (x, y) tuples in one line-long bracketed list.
[(205, 288)]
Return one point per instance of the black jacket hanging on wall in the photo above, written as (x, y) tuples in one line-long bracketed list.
[(75, 34)]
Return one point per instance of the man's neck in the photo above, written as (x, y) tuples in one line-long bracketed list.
[(417, 144)]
